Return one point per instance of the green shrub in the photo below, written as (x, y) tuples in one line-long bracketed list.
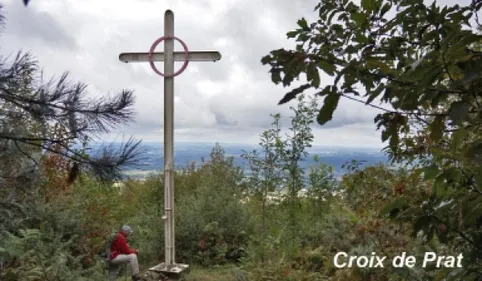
[(37, 255), (211, 222)]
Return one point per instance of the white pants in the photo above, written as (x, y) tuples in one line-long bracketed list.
[(115, 265)]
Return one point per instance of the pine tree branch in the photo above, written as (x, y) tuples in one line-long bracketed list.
[(65, 104)]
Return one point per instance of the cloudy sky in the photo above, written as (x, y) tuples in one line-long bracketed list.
[(227, 101)]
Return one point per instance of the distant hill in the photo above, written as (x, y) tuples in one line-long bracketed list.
[(185, 153)]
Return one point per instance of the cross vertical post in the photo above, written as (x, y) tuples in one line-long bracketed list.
[(169, 138), (169, 56)]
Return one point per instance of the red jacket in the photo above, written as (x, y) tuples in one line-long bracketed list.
[(119, 246)]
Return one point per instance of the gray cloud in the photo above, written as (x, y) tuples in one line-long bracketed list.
[(223, 120), (33, 25), (249, 28), (230, 100)]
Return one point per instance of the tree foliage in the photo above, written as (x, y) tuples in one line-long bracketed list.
[(423, 63), (276, 168)]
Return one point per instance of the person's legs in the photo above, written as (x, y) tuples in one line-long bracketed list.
[(132, 259), (114, 269)]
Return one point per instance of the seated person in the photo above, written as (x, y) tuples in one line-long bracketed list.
[(121, 253)]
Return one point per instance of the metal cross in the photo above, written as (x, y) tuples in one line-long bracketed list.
[(168, 57)]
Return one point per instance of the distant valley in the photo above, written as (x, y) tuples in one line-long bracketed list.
[(185, 153)]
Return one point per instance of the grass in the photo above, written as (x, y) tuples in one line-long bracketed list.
[(215, 273)]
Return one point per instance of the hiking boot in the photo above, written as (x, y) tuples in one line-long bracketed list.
[(137, 278)]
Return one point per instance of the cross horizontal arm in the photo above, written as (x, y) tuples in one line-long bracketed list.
[(178, 56)]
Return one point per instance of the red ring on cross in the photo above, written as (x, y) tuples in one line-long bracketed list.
[(186, 54)]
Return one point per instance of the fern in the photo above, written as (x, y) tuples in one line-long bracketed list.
[(32, 255)]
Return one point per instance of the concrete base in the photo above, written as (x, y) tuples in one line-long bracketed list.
[(166, 272)]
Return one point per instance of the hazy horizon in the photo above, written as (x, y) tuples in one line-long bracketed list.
[(244, 144), (186, 153)]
